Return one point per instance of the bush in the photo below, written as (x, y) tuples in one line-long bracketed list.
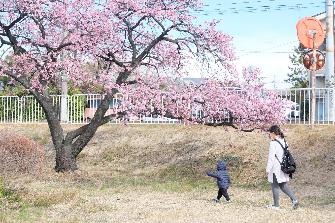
[(19, 154)]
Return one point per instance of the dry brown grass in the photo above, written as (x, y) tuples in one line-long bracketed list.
[(156, 174)]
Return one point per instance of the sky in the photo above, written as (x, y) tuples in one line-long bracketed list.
[(264, 31)]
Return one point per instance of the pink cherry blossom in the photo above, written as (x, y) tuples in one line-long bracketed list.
[(137, 48)]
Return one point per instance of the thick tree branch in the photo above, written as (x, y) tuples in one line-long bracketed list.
[(40, 26), (17, 20), (230, 125), (159, 23), (88, 132), (111, 58), (47, 106), (137, 24), (130, 39), (4, 42), (153, 43)]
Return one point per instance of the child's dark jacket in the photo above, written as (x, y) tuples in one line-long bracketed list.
[(221, 175)]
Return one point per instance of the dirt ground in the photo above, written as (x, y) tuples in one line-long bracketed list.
[(156, 174), (71, 199), (142, 205), (195, 207)]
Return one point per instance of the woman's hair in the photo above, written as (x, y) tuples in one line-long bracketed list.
[(276, 130)]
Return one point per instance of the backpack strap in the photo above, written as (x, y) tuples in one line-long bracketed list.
[(277, 159), (284, 148)]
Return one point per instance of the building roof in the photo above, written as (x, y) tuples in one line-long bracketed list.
[(195, 80)]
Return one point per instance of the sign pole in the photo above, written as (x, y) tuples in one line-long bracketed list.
[(311, 35), (313, 82)]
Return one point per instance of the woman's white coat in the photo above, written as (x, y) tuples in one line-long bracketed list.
[(273, 165)]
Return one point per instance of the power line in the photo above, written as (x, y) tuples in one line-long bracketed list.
[(270, 49), (255, 7)]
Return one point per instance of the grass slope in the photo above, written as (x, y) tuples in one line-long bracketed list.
[(156, 173)]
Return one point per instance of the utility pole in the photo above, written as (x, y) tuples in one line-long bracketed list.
[(329, 71), (329, 41), (63, 105), (274, 81), (64, 80)]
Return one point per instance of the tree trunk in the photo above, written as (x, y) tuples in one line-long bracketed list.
[(68, 147), (65, 159)]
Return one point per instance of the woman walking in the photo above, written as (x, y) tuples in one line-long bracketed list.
[(276, 176)]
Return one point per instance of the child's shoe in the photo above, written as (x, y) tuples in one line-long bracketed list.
[(215, 200), (227, 201)]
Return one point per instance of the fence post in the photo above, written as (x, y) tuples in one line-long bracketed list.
[(20, 108)]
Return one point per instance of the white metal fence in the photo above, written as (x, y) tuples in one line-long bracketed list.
[(81, 108), (300, 112)]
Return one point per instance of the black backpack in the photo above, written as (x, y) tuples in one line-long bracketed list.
[(288, 165)]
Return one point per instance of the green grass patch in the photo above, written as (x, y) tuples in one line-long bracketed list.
[(25, 209), (157, 184), (327, 200), (3, 218), (14, 207), (24, 214), (193, 172), (49, 199), (232, 161), (12, 197), (322, 200), (261, 184), (109, 157), (28, 214), (2, 187), (182, 186)]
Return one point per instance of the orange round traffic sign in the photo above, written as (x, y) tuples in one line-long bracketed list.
[(307, 28), (319, 59)]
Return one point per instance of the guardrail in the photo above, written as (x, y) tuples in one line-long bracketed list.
[(80, 109), (300, 112)]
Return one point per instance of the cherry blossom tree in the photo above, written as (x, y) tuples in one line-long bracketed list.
[(243, 104), (140, 48), (246, 107)]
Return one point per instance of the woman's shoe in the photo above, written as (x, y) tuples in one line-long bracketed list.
[(295, 204), (270, 206)]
